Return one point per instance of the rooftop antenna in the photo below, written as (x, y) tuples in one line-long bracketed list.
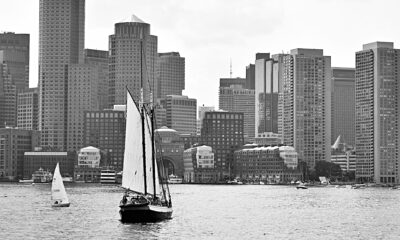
[(230, 72)]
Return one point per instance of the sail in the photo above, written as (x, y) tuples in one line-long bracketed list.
[(132, 175), (149, 157), (336, 144), (57, 187)]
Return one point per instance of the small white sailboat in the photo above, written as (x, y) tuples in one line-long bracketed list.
[(58, 193)]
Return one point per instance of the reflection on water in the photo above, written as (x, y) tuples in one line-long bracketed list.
[(205, 211)]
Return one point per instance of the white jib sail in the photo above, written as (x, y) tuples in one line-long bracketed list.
[(58, 192), (132, 175), (149, 159)]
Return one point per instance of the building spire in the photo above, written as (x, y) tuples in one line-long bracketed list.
[(230, 71)]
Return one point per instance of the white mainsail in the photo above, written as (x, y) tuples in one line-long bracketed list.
[(132, 175), (149, 158), (58, 192)]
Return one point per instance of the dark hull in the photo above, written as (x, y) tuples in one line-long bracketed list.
[(143, 214), (61, 205)]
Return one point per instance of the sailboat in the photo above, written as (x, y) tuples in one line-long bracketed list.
[(147, 197), (58, 193)]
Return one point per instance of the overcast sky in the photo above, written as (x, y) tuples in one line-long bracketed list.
[(208, 33)]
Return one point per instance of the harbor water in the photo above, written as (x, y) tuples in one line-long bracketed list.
[(205, 212)]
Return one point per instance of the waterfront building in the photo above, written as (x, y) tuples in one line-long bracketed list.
[(105, 130), (223, 132), (343, 104), (307, 104), (199, 165), (377, 84), (268, 164), (170, 150), (180, 113), (61, 43), (202, 110), (133, 58), (28, 109), (13, 143), (34, 160), (171, 74), (88, 167), (86, 85), (268, 138), (237, 99), (190, 140), (89, 157), (346, 160)]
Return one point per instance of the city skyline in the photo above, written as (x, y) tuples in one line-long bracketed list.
[(225, 31)]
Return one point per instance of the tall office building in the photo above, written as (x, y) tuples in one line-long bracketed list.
[(28, 109), (61, 43), (223, 131), (250, 76), (106, 130), (171, 74), (133, 59), (237, 99), (343, 105), (377, 84), (14, 74), (99, 59), (86, 83), (180, 113), (307, 106), (16, 47)]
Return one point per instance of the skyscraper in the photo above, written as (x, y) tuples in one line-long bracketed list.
[(86, 83), (61, 43), (14, 74), (377, 84), (171, 74), (343, 99), (266, 95), (307, 105), (133, 59), (15, 48)]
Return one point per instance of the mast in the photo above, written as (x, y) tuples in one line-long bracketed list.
[(142, 109), (153, 159)]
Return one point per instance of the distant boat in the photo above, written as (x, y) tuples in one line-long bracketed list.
[(26, 180), (301, 186), (358, 186), (235, 182), (42, 176), (58, 193), (173, 179)]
